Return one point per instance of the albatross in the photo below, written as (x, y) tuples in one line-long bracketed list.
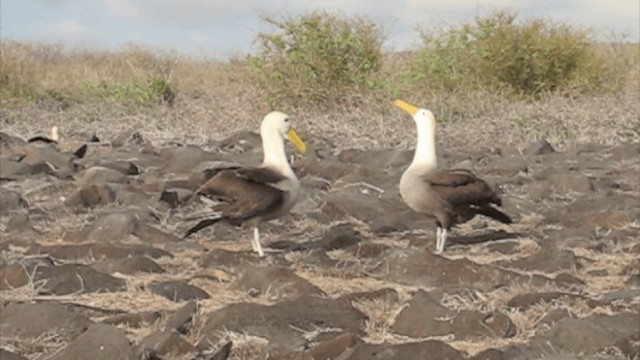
[(252, 195), (450, 196)]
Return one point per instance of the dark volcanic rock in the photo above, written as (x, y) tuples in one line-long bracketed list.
[(91, 195), (540, 147), (182, 318), (334, 347), (525, 301), (281, 323), (548, 259), (377, 159), (129, 265), (422, 316), (490, 354), (163, 345), (552, 317), (98, 251), (185, 158), (99, 342), (107, 228), (38, 154), (152, 234), (336, 237), (13, 276), (128, 138), (589, 335), (275, 283), (176, 196), (8, 355), (425, 317), (232, 261), (178, 290), (630, 346), (34, 320), (11, 200), (383, 215), (430, 349), (75, 278), (101, 175), (421, 267), (134, 320)]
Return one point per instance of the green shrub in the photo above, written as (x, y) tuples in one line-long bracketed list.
[(155, 91), (318, 59), (498, 53)]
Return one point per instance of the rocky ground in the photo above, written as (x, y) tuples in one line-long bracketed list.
[(93, 266)]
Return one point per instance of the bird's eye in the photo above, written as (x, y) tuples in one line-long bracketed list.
[(286, 120)]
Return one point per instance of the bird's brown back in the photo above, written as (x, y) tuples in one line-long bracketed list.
[(245, 196)]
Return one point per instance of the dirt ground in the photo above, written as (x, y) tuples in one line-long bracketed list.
[(93, 265)]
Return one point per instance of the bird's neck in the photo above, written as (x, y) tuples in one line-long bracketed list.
[(274, 155), (425, 155)]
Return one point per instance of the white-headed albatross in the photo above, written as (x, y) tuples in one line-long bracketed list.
[(451, 196), (256, 194)]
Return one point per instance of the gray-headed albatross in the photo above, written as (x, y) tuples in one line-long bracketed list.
[(451, 196), (256, 194)]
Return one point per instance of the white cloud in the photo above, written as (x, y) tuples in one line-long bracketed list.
[(67, 28), (123, 8)]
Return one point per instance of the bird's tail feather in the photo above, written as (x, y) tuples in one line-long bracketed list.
[(201, 225), (494, 214)]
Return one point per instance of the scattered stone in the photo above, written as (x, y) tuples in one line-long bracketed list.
[(128, 266), (282, 323), (548, 259), (134, 320), (99, 342), (8, 355), (91, 195), (383, 215), (275, 283), (31, 321), (101, 175), (424, 317), (162, 345), (75, 278), (182, 318), (11, 200), (176, 196), (416, 267), (178, 290), (429, 349), (633, 281), (540, 147), (98, 251), (589, 335), (13, 276)]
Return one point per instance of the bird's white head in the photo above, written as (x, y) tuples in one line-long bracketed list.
[(426, 124), (279, 123), (423, 117)]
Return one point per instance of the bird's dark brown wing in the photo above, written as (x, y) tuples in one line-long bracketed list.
[(260, 175), (460, 187), (247, 196)]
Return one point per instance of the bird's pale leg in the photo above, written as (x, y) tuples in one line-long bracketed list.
[(256, 242), (438, 237), (443, 240)]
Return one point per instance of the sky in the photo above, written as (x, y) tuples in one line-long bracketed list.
[(216, 28)]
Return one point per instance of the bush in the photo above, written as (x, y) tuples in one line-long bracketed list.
[(318, 59), (498, 53), (154, 91)]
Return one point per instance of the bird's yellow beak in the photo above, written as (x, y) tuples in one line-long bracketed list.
[(412, 110), (299, 144)]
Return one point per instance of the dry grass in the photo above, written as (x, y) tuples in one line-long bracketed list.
[(217, 98)]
